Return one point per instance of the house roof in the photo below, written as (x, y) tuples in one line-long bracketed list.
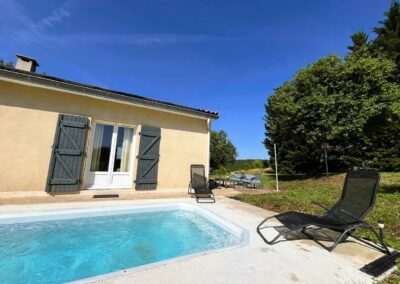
[(101, 93)]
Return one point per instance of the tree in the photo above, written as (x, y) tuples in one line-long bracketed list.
[(258, 164), (353, 104), (388, 34), (360, 41), (221, 171), (222, 151), (246, 166), (8, 64)]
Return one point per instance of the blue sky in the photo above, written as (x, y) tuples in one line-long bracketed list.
[(226, 56)]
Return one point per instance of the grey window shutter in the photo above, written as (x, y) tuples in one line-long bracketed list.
[(148, 158), (68, 152)]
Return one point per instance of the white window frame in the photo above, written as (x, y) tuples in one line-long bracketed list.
[(110, 171)]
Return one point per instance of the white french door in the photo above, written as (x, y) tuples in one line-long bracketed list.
[(111, 158)]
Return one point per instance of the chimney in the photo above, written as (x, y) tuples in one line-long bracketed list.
[(26, 63)]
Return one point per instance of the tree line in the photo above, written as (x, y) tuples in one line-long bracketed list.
[(350, 103)]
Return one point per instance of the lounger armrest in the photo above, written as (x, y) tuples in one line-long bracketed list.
[(320, 205), (351, 215)]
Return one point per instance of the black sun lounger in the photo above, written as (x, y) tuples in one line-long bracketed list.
[(347, 215), (199, 184)]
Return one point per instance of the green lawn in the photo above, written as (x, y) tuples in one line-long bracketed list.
[(297, 192)]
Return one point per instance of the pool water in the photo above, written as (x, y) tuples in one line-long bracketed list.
[(71, 249)]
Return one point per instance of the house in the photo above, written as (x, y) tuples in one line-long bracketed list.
[(63, 136)]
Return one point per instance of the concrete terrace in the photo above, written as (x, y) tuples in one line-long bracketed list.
[(299, 261), (33, 197)]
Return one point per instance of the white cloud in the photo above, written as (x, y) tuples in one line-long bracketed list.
[(142, 40), (36, 30), (57, 16), (20, 27), (44, 31)]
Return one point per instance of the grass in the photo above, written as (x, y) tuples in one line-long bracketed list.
[(297, 192)]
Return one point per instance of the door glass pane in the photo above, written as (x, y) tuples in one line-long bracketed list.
[(123, 151), (101, 148)]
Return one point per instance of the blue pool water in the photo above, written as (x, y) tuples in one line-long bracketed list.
[(66, 250)]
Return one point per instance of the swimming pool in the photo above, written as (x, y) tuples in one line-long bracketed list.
[(56, 247)]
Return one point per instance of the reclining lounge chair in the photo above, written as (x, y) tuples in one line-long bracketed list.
[(237, 178), (198, 184), (357, 199), (252, 180)]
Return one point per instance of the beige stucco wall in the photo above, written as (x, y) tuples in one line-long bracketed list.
[(28, 117)]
